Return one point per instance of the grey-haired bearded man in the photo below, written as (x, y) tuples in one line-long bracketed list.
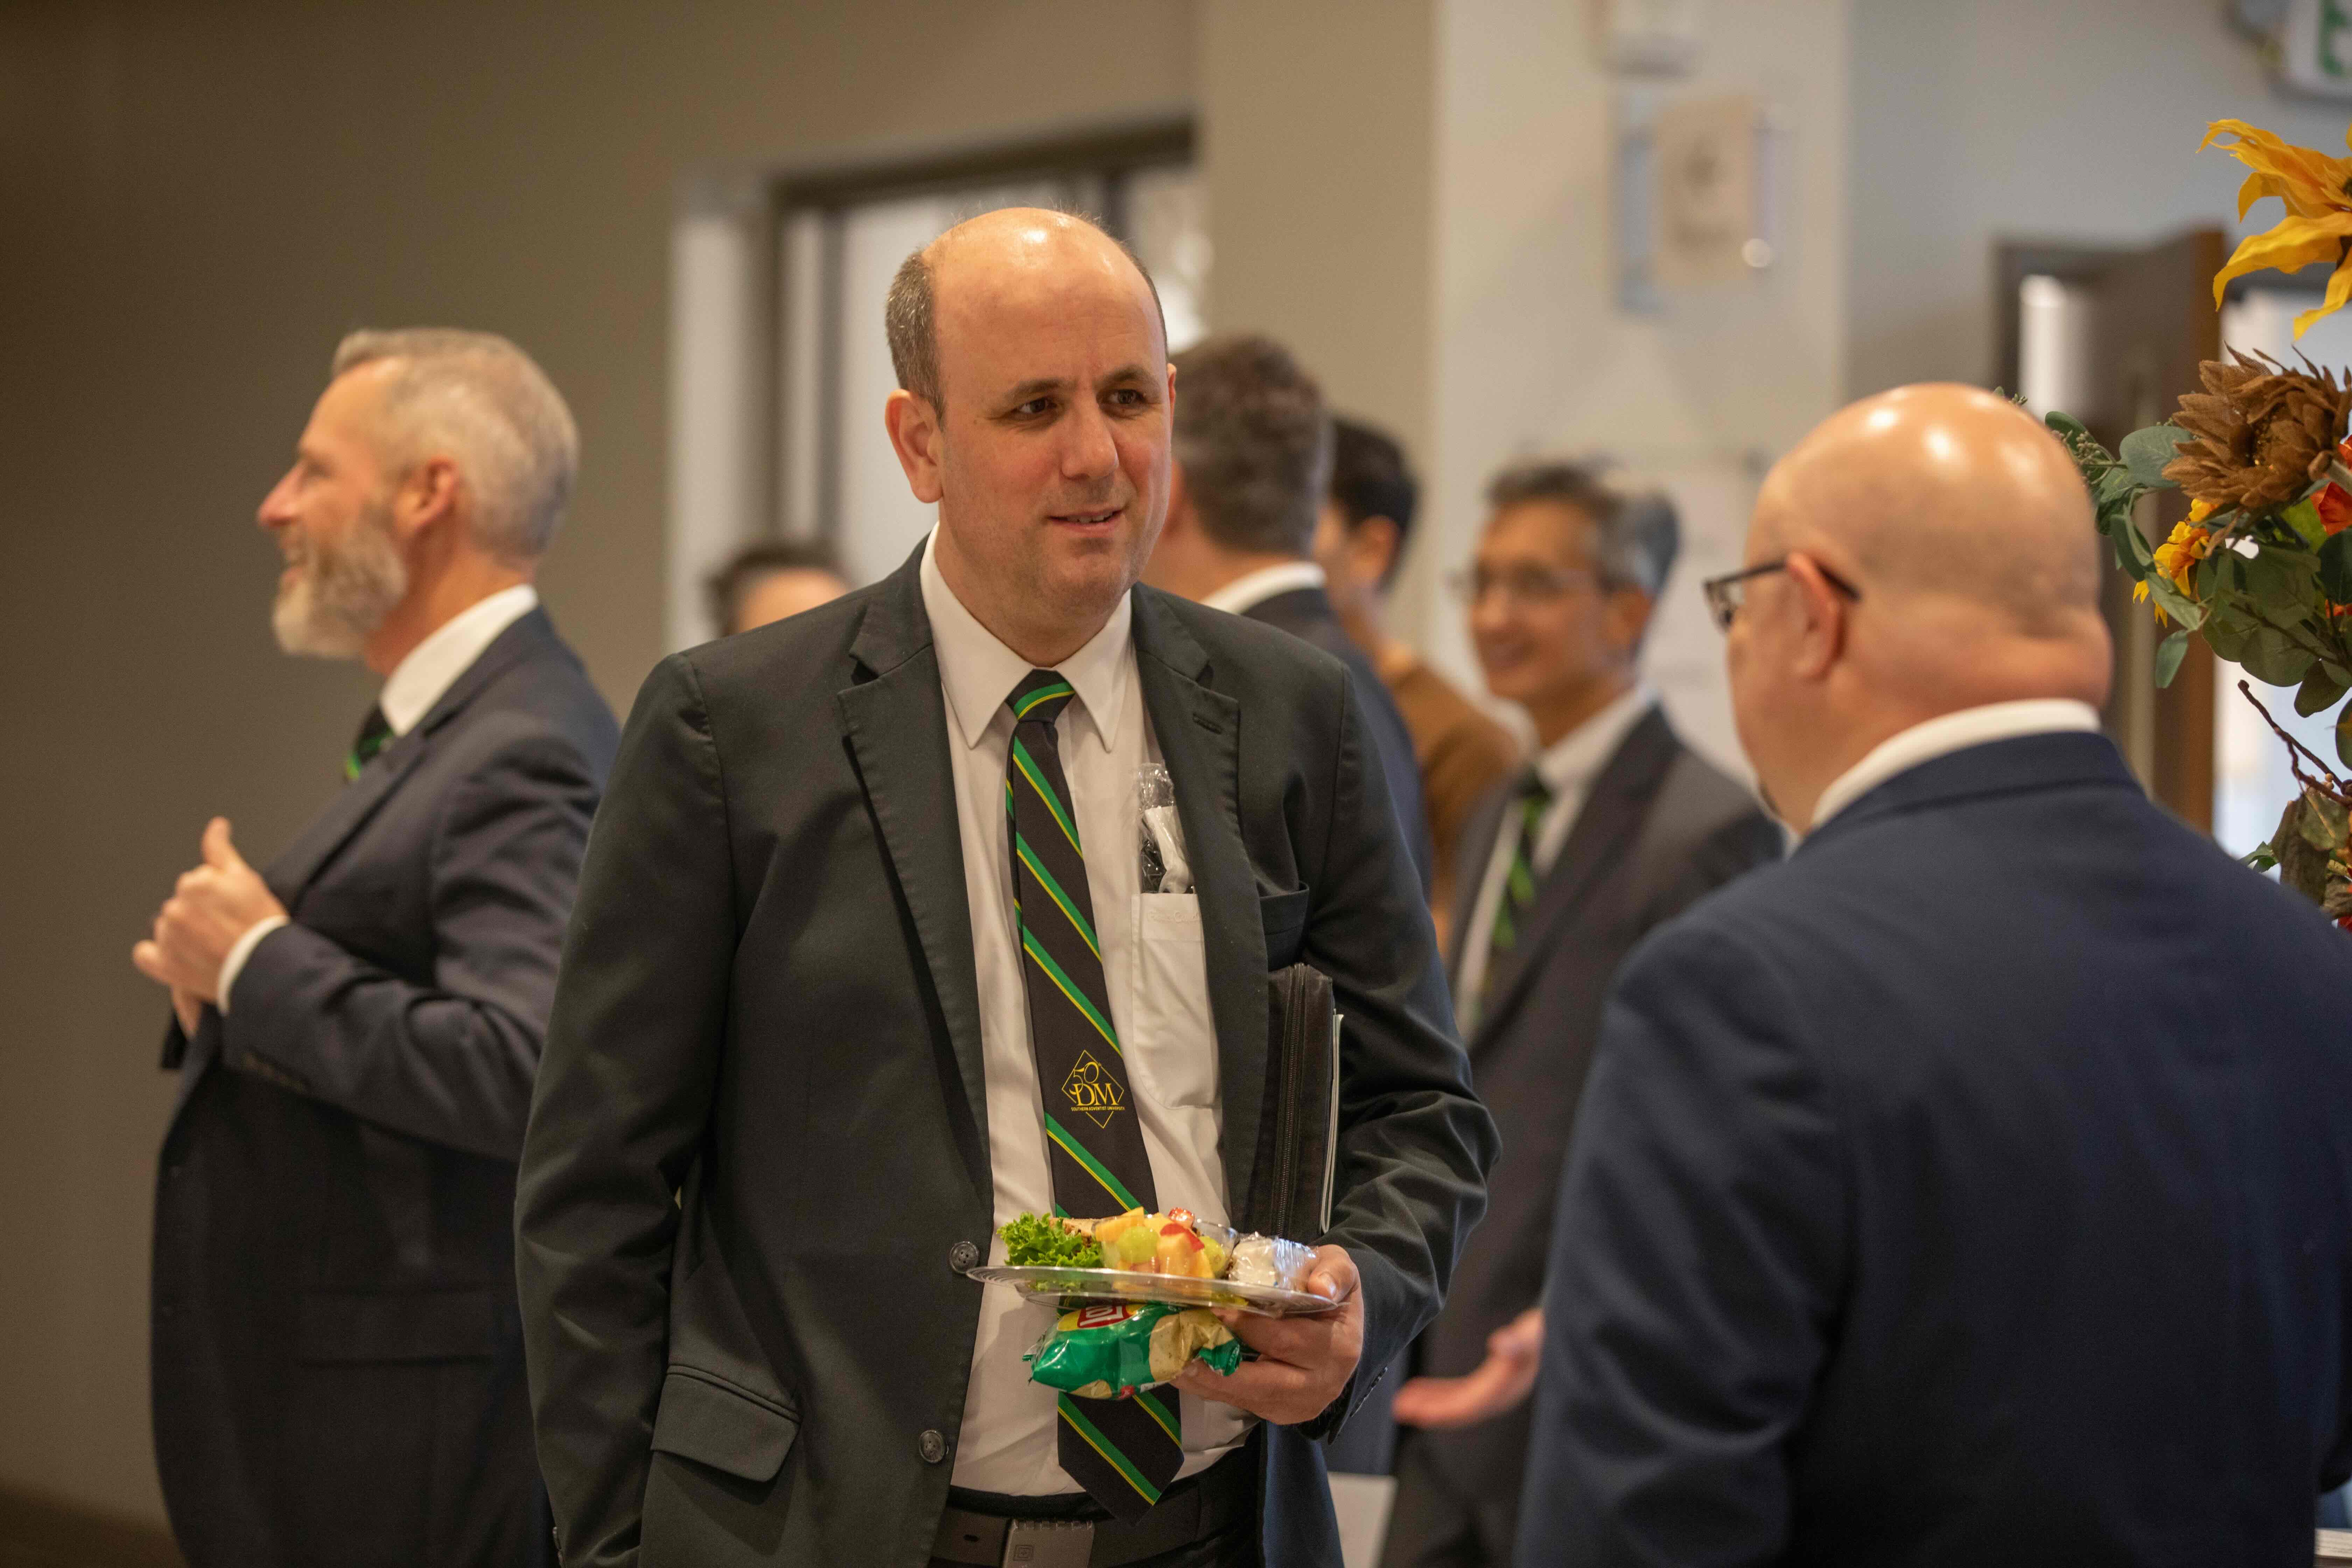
[(337, 1361)]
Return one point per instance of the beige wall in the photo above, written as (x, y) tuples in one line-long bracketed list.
[(198, 200)]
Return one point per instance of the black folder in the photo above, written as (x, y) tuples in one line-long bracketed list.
[(1298, 1139)]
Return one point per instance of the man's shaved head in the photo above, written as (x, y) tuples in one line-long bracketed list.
[(909, 313), (1968, 539)]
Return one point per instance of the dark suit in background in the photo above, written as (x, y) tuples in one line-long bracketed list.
[(1659, 829), (338, 1373), (1975, 1187), (1306, 614), (770, 998)]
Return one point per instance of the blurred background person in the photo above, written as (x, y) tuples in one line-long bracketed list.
[(1615, 827), (337, 1356), (1252, 462), (1971, 1187), (1360, 542), (772, 578)]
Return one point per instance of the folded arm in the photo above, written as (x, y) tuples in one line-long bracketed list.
[(450, 1061)]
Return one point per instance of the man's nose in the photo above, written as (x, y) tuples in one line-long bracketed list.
[(1090, 452), (276, 507)]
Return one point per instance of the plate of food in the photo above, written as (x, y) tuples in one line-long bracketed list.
[(1171, 1258)]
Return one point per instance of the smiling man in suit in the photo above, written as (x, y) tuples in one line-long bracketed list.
[(862, 908), (1614, 826), (337, 1362)]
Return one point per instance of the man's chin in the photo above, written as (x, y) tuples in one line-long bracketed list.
[(303, 629)]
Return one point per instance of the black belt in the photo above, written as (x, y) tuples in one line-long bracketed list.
[(978, 1527)]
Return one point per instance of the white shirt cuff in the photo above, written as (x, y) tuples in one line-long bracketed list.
[(234, 963)]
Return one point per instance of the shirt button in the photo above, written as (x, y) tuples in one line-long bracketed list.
[(963, 1255), (932, 1446)]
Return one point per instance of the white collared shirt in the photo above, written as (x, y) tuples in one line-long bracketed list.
[(1154, 965), (1950, 733), (416, 684), (1247, 592), (1568, 767)]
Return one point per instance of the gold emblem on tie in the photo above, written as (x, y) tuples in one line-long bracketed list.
[(1091, 1091)]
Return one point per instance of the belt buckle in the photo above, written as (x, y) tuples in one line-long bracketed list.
[(1048, 1543)]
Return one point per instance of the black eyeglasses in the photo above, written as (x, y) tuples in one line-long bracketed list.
[(1726, 593)]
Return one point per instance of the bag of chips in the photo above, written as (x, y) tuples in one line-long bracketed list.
[(1110, 1351)]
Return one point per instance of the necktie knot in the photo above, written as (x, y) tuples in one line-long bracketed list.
[(1040, 697), (376, 734)]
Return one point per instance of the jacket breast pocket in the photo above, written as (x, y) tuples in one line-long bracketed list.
[(720, 1424), (1284, 916)]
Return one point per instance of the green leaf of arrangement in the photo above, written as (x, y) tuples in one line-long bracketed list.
[(2321, 690), (2324, 821), (2275, 658), (2304, 519), (2228, 630), (2301, 865), (2145, 453), (2067, 425), (2259, 858), (2117, 489), (2184, 610), (2278, 580), (2344, 737), (2335, 568), (2168, 654)]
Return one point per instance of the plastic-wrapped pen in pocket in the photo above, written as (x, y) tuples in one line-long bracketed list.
[(1158, 837)]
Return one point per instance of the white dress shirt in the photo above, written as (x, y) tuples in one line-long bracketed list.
[(1155, 967), (1247, 592), (416, 684), (1568, 767), (1947, 733)]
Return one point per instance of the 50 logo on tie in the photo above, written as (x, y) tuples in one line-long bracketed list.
[(1093, 1092)]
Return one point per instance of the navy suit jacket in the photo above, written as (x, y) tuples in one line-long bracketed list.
[(337, 1357), (1972, 1187)]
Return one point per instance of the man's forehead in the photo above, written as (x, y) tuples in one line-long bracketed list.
[(1047, 306), (1552, 527)]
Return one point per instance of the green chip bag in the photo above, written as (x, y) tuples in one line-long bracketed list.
[(1109, 1352)]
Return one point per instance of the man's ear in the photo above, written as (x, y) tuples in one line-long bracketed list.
[(1822, 638), (914, 425), (426, 497), (1628, 611), (1374, 543)]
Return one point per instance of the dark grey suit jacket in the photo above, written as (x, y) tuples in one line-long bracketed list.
[(337, 1361), (1973, 1187), (1659, 828), (769, 1000), (1306, 614)]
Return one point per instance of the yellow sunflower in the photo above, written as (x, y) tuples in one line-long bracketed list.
[(2316, 191)]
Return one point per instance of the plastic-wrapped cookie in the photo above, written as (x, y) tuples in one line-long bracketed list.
[(1270, 1260)]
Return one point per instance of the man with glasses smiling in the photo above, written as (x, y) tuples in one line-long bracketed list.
[(1614, 826)]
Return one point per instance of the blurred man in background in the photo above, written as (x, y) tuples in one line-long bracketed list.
[(1360, 542), (1974, 1186), (1615, 828), (772, 578), (337, 1360), (1253, 461)]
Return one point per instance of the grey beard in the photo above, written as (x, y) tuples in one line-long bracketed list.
[(343, 593)]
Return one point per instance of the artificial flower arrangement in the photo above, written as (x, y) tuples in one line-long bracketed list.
[(2262, 567)]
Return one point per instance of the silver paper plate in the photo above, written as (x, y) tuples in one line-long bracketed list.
[(1052, 1282)]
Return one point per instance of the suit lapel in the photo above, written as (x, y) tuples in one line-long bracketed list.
[(1198, 731), (1606, 827), (291, 871), (1477, 854), (896, 723)]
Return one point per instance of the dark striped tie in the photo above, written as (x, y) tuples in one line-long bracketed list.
[(1518, 897), (376, 734), (1123, 1451)]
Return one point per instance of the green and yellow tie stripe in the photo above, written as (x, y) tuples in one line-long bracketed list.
[(1123, 1451), (1518, 897), (376, 734)]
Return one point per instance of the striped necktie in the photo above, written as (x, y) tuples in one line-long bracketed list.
[(1518, 897), (1123, 1451), (376, 734)]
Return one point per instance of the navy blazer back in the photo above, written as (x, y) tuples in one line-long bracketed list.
[(1974, 1186)]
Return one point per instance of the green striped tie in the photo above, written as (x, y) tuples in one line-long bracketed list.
[(1123, 1451), (376, 734), (1518, 897)]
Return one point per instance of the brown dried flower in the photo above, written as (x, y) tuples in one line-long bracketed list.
[(2261, 433)]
